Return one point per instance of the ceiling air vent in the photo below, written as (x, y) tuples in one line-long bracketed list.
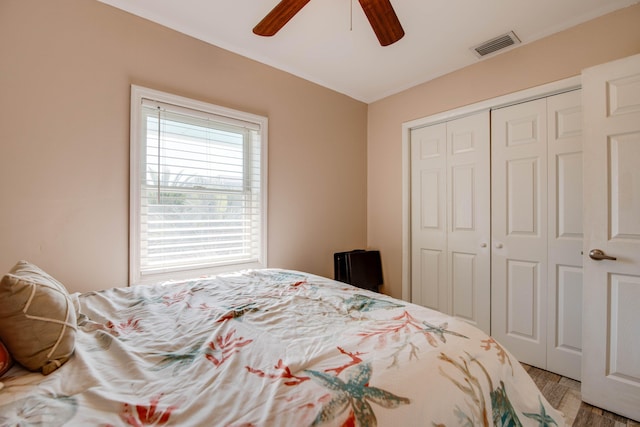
[(496, 44)]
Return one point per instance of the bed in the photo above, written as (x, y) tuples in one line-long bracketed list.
[(271, 347)]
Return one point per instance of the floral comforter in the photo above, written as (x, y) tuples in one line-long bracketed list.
[(273, 348)]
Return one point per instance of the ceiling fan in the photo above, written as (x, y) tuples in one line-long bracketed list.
[(380, 13)]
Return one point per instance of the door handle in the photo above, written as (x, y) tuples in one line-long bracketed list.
[(598, 255)]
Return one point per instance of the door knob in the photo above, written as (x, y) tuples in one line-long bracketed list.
[(499, 245), (598, 255)]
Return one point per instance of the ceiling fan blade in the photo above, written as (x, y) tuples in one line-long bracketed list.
[(278, 17), (383, 20)]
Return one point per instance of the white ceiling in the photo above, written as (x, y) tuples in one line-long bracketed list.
[(330, 42)]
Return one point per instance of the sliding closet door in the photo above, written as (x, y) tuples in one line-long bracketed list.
[(519, 229), (450, 218), (564, 328)]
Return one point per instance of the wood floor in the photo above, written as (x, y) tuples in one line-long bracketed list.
[(564, 394)]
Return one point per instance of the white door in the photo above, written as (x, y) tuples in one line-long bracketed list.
[(469, 219), (450, 218), (611, 324), (564, 279), (537, 231), (519, 229), (429, 217)]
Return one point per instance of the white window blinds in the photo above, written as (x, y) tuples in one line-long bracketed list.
[(200, 189)]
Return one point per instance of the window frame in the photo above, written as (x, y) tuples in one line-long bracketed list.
[(137, 148)]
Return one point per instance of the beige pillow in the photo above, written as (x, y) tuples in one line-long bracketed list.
[(37, 318)]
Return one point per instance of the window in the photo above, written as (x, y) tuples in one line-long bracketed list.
[(198, 187)]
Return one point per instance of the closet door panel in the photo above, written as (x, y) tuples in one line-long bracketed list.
[(568, 192), (564, 329), (428, 217), (567, 333), (523, 197), (462, 194), (450, 218), (468, 206), (431, 273), (431, 198), (523, 287), (464, 285), (519, 229)]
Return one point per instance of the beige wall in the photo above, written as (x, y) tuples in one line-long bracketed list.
[(65, 73), (554, 58)]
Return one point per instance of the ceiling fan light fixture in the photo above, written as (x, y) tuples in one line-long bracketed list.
[(496, 44)]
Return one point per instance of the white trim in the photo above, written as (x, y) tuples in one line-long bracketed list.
[(560, 86), (138, 94)]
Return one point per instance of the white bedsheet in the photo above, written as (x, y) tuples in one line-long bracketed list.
[(273, 348)]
